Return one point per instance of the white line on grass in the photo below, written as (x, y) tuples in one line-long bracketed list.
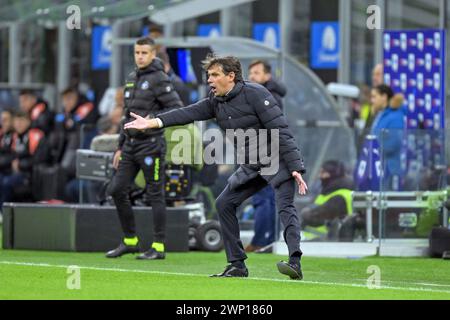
[(411, 283), (342, 284)]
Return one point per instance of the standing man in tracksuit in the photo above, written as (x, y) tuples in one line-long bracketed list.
[(260, 71), (241, 105), (148, 91)]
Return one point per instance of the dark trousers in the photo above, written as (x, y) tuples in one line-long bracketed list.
[(229, 200), (152, 165)]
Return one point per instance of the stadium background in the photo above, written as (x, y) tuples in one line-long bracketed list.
[(38, 51)]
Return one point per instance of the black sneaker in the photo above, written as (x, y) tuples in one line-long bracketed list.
[(232, 271), (294, 271), (151, 254), (121, 250)]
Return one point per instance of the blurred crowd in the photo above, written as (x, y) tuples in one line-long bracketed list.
[(38, 147)]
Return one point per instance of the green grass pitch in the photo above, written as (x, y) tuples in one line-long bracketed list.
[(184, 276)]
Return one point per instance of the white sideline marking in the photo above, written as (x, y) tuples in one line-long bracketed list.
[(342, 284), (413, 283), (433, 284)]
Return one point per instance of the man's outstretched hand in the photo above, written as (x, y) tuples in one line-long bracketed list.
[(140, 123), (302, 187)]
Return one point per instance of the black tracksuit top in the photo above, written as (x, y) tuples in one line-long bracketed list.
[(148, 92)]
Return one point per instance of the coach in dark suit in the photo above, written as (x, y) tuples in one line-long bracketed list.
[(236, 104)]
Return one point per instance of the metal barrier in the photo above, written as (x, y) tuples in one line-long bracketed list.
[(370, 200)]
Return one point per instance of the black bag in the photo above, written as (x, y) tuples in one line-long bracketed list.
[(439, 242)]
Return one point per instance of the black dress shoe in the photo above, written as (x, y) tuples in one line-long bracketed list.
[(232, 271), (121, 250), (151, 254), (294, 271)]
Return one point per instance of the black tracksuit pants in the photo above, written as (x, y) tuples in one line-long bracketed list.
[(229, 200), (148, 156)]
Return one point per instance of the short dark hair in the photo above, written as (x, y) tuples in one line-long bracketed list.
[(384, 89), (145, 41), (267, 67), (228, 64), (156, 28), (68, 90), (28, 92)]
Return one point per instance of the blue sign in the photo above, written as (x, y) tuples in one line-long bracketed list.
[(325, 47), (268, 33), (101, 48), (414, 65), (212, 30), (185, 69)]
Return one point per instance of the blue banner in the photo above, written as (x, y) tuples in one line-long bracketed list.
[(101, 48), (325, 47), (414, 64), (267, 33), (185, 70), (211, 30)]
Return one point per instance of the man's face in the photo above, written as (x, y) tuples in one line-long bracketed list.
[(143, 55), (256, 74), (6, 120), (377, 75), (377, 100), (220, 82), (27, 101), (21, 124), (69, 101)]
